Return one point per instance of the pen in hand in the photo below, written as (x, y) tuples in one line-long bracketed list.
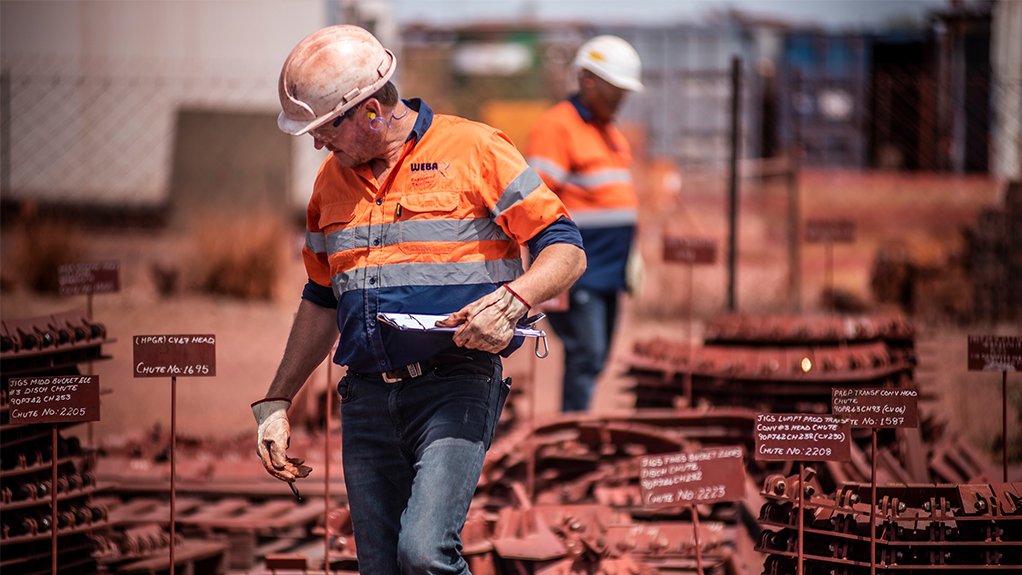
[(294, 490)]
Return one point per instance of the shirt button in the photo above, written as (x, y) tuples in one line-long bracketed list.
[(372, 281), (379, 202), (372, 323), (376, 242)]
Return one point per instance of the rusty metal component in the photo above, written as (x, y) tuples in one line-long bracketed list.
[(52, 342), (774, 362), (958, 528), (797, 378)]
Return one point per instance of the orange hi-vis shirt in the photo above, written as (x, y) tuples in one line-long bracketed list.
[(589, 166), (441, 232)]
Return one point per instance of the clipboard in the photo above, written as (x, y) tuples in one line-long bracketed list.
[(426, 323)]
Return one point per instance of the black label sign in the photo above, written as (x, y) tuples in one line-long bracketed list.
[(86, 278), (876, 407), (54, 399), (995, 353), (686, 478), (172, 355), (832, 231), (801, 437), (690, 250)]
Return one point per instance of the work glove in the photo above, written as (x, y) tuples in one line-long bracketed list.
[(635, 271), (273, 439)]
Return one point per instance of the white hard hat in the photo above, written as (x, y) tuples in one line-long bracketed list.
[(614, 60), (328, 73)]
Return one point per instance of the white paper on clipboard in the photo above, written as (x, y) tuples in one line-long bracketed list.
[(427, 323)]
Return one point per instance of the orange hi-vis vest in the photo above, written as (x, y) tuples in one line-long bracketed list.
[(443, 230), (589, 166)]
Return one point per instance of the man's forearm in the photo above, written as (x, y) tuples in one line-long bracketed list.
[(313, 334), (554, 270)]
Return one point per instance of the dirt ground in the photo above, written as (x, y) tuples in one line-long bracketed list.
[(923, 213)]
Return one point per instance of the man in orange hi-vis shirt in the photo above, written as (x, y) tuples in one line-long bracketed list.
[(587, 162), (412, 212)]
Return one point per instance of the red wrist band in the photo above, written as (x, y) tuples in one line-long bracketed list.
[(516, 296)]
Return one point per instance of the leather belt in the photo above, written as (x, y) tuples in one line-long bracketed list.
[(413, 370), (410, 371)]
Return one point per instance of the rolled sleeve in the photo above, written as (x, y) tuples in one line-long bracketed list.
[(562, 231), (319, 295)]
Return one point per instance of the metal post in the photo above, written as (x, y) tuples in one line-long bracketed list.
[(530, 464), (688, 323), (873, 509), (695, 537), (5, 134), (794, 205), (732, 249), (326, 465), (828, 274), (173, 469), (801, 499), (1004, 424), (53, 502)]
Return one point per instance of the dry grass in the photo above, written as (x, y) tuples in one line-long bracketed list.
[(38, 247), (242, 258)]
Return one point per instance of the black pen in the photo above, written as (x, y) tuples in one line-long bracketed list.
[(294, 490)]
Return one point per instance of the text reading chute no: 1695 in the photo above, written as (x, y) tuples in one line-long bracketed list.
[(174, 355)]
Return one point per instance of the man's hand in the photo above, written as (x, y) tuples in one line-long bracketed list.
[(487, 324), (274, 437)]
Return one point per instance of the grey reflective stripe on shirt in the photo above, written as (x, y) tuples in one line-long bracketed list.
[(605, 218), (548, 167), (315, 242), (599, 178), (474, 230), (428, 274), (517, 190)]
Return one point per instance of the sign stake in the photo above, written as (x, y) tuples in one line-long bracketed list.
[(801, 513), (173, 474), (326, 465), (873, 507), (695, 538), (53, 501)]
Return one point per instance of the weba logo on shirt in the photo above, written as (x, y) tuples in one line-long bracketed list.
[(440, 167)]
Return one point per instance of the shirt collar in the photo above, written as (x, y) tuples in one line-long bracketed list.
[(423, 122), (585, 113)]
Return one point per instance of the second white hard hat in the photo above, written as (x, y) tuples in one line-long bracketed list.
[(328, 73), (613, 59)]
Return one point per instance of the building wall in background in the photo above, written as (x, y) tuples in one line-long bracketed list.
[(95, 88)]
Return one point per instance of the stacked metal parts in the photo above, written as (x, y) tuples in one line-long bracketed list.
[(774, 363), (936, 511), (920, 528), (46, 346)]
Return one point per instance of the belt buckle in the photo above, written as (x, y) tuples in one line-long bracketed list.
[(409, 371)]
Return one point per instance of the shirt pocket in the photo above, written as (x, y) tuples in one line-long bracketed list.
[(424, 218)]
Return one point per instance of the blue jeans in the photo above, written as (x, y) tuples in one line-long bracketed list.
[(586, 330), (413, 451)]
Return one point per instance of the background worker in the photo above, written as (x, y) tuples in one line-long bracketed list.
[(586, 161), (411, 212)]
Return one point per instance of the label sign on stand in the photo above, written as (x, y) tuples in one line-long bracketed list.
[(690, 250), (89, 278), (876, 407), (174, 355), (995, 353), (830, 231), (54, 399), (706, 476), (801, 437)]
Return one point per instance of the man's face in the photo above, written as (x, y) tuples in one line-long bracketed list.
[(600, 96), (345, 137)]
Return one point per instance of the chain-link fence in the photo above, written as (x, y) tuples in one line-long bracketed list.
[(139, 141)]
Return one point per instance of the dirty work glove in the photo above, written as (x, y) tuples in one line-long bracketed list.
[(273, 439)]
